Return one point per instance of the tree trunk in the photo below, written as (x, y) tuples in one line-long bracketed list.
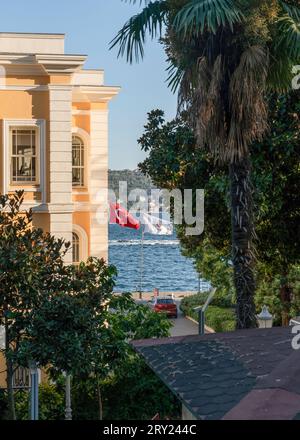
[(9, 378), (243, 257), (100, 402)]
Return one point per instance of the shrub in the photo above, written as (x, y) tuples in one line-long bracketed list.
[(131, 392), (136, 393), (220, 315), (268, 293), (221, 320), (200, 298), (51, 403)]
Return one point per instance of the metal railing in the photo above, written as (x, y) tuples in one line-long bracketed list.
[(201, 312), (21, 378)]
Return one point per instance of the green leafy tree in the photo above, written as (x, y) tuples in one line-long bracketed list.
[(125, 321), (31, 267), (69, 326), (224, 55), (53, 314), (276, 164), (86, 333), (74, 331)]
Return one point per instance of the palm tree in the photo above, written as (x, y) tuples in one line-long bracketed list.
[(224, 56)]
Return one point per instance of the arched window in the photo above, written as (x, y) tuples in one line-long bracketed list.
[(76, 249), (77, 161)]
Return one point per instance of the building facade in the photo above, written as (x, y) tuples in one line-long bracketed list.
[(54, 139), (54, 144)]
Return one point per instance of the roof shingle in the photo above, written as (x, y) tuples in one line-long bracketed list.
[(214, 374)]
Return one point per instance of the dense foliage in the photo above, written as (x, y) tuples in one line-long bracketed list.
[(224, 57), (116, 390), (31, 269), (175, 161)]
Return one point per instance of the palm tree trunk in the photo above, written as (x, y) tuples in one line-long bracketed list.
[(242, 242)]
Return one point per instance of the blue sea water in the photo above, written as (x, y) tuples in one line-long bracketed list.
[(163, 265)]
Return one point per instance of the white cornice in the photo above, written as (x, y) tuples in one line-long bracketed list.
[(15, 58), (61, 63), (31, 35), (96, 96), (35, 88), (50, 63), (46, 208), (94, 93)]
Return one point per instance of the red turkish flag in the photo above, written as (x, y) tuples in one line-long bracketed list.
[(119, 216)]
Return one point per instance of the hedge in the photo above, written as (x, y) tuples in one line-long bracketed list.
[(220, 315)]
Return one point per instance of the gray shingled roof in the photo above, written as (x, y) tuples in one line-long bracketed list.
[(212, 374)]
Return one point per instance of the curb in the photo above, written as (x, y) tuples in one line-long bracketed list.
[(207, 329)]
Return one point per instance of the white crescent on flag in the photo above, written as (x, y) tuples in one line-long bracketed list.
[(155, 225)]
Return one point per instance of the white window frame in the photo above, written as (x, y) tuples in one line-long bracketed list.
[(31, 183), (83, 242), (40, 126), (81, 167), (79, 246), (85, 137)]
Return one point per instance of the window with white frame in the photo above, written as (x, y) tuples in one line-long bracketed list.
[(24, 151), (76, 249), (78, 162)]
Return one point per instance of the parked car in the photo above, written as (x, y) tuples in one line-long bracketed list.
[(166, 305)]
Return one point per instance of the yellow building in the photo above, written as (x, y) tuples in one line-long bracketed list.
[(54, 140)]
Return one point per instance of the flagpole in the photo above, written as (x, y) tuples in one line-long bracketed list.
[(142, 263)]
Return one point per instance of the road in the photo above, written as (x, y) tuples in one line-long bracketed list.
[(181, 326)]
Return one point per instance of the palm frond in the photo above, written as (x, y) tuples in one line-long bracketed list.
[(289, 31), (187, 87), (175, 76), (289, 39), (209, 125), (280, 73), (247, 102), (199, 15), (292, 11), (131, 38)]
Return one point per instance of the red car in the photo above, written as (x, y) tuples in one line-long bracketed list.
[(166, 305)]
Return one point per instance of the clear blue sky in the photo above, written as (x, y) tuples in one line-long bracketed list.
[(89, 25)]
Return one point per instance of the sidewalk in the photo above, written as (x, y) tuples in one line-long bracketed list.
[(184, 327)]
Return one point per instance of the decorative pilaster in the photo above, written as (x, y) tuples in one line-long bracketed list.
[(60, 191), (98, 183)]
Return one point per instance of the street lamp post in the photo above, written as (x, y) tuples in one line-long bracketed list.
[(34, 393), (68, 409)]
